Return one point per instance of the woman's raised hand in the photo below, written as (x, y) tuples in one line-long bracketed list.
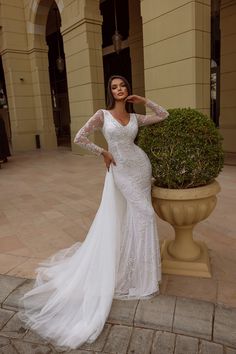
[(108, 159), (136, 99)]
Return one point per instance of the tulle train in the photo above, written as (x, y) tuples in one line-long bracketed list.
[(73, 292)]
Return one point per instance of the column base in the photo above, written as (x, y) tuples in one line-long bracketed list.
[(48, 140), (198, 268), (27, 141)]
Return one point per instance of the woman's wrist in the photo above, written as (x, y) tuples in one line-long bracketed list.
[(145, 100)]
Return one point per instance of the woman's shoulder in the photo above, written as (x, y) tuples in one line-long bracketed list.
[(104, 111), (97, 118), (99, 112)]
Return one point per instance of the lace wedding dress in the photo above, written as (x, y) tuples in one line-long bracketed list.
[(120, 257)]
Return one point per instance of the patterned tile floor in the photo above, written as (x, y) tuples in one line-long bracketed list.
[(48, 201)]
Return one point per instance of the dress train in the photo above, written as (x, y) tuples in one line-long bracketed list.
[(74, 289)]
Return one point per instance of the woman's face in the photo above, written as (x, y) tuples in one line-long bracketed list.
[(119, 89)]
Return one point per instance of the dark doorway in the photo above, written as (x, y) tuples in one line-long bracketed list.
[(215, 61), (117, 64), (58, 79), (4, 113), (114, 63), (3, 93)]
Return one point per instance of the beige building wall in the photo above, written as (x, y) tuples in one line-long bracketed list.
[(24, 54), (176, 36), (25, 60), (170, 54), (228, 75)]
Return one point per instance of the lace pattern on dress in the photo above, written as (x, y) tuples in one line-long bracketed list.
[(93, 124), (160, 114), (97, 120)]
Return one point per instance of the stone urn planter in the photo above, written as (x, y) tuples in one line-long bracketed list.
[(183, 209), (186, 154)]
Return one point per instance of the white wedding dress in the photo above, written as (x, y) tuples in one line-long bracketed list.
[(120, 257)]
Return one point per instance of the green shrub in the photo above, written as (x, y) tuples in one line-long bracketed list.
[(185, 150)]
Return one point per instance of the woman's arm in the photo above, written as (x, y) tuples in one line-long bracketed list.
[(160, 114), (93, 124), (81, 138)]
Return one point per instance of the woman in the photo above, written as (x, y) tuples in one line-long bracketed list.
[(120, 259)]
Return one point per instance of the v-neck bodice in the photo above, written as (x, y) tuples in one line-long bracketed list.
[(123, 125)]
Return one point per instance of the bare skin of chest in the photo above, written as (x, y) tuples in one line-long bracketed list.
[(121, 118)]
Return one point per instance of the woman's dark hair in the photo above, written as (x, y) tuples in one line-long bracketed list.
[(110, 98)]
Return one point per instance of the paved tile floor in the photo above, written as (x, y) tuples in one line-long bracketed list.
[(161, 325), (48, 201)]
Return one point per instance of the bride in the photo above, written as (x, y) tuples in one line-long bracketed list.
[(120, 258)]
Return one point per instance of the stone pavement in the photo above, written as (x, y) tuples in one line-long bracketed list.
[(48, 201), (161, 325)]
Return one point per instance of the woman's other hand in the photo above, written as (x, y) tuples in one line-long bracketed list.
[(108, 159), (136, 99)]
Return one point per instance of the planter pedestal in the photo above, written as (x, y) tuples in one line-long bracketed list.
[(198, 268), (183, 209)]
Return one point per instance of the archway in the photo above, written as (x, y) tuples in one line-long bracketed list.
[(50, 86)]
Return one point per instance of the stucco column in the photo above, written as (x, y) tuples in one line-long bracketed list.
[(83, 51), (20, 99), (176, 37), (29, 99)]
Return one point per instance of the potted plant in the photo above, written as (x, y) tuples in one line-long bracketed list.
[(186, 154)]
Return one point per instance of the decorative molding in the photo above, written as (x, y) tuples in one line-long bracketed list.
[(37, 50), (36, 8), (78, 23), (35, 4), (18, 51)]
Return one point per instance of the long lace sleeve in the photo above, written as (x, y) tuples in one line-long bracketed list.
[(93, 124), (160, 114)]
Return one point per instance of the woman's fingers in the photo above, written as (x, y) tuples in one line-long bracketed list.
[(108, 165), (135, 99), (108, 160), (129, 98)]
